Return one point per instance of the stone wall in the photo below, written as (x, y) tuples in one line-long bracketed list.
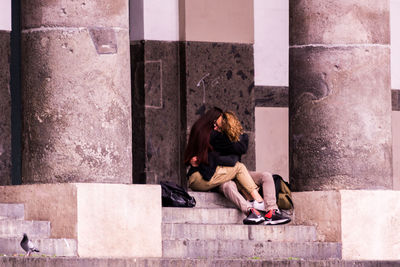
[(5, 109), (222, 75), (156, 111)]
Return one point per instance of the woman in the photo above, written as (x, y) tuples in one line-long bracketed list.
[(233, 130), (209, 169)]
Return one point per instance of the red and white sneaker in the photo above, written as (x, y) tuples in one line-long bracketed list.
[(254, 217), (274, 217)]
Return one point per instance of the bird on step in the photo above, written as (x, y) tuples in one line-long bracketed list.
[(28, 246)]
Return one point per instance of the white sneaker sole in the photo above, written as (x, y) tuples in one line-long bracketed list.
[(282, 221)]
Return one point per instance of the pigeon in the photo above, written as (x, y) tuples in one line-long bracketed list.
[(28, 246)]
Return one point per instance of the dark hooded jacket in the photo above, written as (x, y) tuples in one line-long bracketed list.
[(224, 153)]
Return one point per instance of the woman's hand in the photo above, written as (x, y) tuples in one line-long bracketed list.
[(193, 162)]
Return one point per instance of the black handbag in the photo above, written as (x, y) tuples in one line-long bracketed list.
[(174, 195)]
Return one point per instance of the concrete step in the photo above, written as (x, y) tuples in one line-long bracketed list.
[(47, 246), (15, 228), (268, 233), (202, 215), (11, 211), (211, 200), (173, 262), (250, 249)]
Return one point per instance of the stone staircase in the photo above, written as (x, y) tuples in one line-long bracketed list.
[(13, 225), (211, 234), (214, 229)]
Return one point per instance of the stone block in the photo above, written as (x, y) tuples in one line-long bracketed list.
[(321, 209), (250, 249), (211, 200), (370, 224), (15, 228), (47, 246), (365, 221), (234, 232), (12, 211), (203, 215), (105, 219)]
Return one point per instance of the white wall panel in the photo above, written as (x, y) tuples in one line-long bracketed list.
[(161, 20), (154, 20), (396, 149), (5, 15), (271, 42), (272, 142), (395, 42)]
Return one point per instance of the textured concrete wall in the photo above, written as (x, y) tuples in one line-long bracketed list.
[(340, 108), (76, 92), (173, 84), (5, 109), (222, 75), (156, 112)]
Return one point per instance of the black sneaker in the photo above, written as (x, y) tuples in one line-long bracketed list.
[(274, 217), (254, 217)]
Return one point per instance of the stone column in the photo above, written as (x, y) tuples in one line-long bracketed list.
[(76, 92), (340, 97)]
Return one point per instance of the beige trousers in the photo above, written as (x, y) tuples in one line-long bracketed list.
[(223, 174), (262, 179)]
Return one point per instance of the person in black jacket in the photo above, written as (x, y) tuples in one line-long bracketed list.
[(209, 168), (234, 141)]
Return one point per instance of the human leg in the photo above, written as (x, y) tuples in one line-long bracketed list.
[(247, 182), (223, 174), (273, 216), (266, 182), (231, 192)]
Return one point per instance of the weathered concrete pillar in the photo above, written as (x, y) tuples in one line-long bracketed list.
[(76, 92), (5, 109), (340, 107)]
